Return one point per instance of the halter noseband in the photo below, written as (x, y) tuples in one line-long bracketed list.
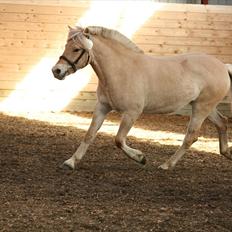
[(73, 64)]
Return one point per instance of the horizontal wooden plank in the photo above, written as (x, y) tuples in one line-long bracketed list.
[(31, 43), (163, 6), (39, 52), (83, 95), (220, 57), (12, 85), (184, 32), (43, 47), (39, 9), (188, 41), (192, 16), (159, 19), (26, 26), (174, 49), (47, 2), (40, 18), (15, 67), (194, 24), (144, 31), (22, 59), (150, 24), (11, 75), (223, 58), (218, 9), (138, 39), (36, 35)]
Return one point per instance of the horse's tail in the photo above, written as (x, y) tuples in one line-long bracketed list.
[(229, 68)]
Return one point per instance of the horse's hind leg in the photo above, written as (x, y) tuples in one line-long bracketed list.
[(220, 122), (199, 114), (128, 119)]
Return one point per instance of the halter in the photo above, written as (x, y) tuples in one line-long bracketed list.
[(73, 64)]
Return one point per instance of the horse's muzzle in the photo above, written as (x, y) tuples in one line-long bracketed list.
[(58, 73)]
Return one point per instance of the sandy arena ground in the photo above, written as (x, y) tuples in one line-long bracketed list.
[(108, 191)]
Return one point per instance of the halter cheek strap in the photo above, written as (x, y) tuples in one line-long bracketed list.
[(73, 64)]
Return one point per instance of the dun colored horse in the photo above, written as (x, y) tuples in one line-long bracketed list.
[(132, 82)]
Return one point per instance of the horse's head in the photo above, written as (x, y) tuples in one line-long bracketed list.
[(76, 54)]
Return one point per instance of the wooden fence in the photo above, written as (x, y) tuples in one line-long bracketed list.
[(31, 32)]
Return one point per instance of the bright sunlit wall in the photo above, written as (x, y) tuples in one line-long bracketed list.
[(33, 37), (34, 88)]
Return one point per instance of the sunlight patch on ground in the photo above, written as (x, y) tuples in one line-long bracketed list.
[(110, 128)]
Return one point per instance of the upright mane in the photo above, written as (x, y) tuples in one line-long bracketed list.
[(113, 34)]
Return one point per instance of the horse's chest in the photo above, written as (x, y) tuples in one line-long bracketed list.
[(107, 97), (119, 100)]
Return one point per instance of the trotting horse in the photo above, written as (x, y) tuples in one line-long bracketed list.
[(131, 83)]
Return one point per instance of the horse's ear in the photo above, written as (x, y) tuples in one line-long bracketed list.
[(70, 28), (86, 32)]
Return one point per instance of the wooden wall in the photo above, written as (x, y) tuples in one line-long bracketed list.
[(29, 32)]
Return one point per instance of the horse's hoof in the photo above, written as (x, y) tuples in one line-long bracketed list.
[(143, 160), (164, 166), (167, 166), (65, 167), (68, 165)]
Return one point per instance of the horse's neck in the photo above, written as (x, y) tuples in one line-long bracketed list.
[(106, 54)]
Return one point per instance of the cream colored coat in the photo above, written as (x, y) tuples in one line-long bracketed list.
[(131, 82)]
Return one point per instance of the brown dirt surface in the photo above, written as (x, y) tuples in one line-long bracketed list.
[(108, 191)]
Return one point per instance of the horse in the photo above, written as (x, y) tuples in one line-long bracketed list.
[(132, 82)]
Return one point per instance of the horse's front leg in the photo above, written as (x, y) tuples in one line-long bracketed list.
[(100, 112), (128, 119)]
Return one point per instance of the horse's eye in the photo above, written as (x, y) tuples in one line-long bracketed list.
[(76, 50)]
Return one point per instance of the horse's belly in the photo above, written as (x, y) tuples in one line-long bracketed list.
[(164, 109), (170, 103)]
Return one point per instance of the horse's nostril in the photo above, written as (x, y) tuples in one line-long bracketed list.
[(57, 71)]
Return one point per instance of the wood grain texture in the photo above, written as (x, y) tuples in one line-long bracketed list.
[(31, 30)]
